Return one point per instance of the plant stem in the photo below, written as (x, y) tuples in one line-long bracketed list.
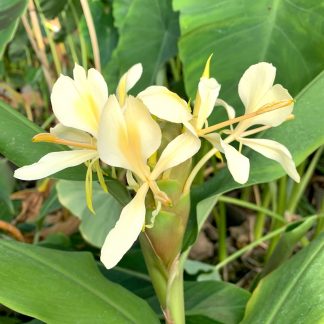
[(84, 56), (252, 206), (294, 200), (92, 33), (220, 218), (261, 215)]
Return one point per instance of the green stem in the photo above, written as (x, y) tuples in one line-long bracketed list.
[(57, 64), (70, 41), (84, 55), (294, 200), (220, 218), (261, 216), (249, 247), (251, 206)]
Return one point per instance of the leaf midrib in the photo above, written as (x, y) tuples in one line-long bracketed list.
[(280, 301), (71, 278)]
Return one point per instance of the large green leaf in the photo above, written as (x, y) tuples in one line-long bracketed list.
[(302, 136), (7, 183), (293, 293), (64, 287), (240, 33), (218, 301), (10, 12), (148, 35), (94, 228), (17, 146)]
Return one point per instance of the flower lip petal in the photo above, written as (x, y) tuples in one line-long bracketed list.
[(121, 238), (255, 83), (54, 162)]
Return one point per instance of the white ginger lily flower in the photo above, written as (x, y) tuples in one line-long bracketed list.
[(258, 93), (77, 104), (265, 104), (128, 136)]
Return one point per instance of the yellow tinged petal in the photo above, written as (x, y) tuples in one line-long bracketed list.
[(78, 103), (144, 133), (275, 151), (71, 134), (165, 104), (112, 136), (54, 162), (121, 238)]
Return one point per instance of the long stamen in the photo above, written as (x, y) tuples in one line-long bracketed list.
[(264, 109), (262, 128), (50, 138)]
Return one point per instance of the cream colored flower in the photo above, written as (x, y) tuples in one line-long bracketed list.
[(265, 104), (258, 93), (128, 136), (77, 103)]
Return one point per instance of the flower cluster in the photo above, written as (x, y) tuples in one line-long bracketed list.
[(124, 131)]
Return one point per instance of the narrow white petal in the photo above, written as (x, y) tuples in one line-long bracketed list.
[(177, 151), (70, 134), (54, 162), (238, 164), (112, 136), (165, 104), (121, 238), (208, 92), (128, 80), (229, 109), (255, 83), (275, 151)]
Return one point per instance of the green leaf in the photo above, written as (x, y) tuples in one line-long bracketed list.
[(286, 244), (94, 228), (293, 293), (35, 279), (17, 146), (52, 8), (215, 300), (148, 35), (10, 12), (241, 33), (7, 183)]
